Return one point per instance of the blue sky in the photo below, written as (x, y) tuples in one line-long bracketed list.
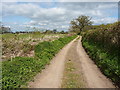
[(55, 15)]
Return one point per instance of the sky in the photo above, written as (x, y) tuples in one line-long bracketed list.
[(22, 16)]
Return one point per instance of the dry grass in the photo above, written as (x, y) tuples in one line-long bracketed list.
[(23, 44)]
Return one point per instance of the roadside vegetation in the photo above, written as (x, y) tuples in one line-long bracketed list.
[(19, 70), (102, 43), (103, 46)]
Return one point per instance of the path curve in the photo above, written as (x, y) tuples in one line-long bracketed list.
[(51, 77)]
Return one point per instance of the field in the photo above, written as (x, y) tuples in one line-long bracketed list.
[(23, 44), (18, 71)]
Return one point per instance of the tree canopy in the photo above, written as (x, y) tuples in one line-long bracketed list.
[(78, 24)]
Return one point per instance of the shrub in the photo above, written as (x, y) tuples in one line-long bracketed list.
[(103, 46)]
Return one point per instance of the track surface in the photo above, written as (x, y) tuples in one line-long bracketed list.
[(51, 76)]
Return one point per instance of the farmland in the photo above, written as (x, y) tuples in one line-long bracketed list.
[(23, 44), (59, 44), (18, 71)]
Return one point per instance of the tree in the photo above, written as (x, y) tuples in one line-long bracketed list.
[(54, 30), (62, 32), (78, 24), (48, 32), (4, 29)]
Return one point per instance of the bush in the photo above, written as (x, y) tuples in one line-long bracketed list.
[(103, 47)]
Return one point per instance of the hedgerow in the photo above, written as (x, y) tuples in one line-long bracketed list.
[(103, 46), (20, 70)]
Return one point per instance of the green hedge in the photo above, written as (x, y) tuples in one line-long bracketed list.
[(103, 46), (107, 63), (20, 70)]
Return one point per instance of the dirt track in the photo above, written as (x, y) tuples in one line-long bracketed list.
[(51, 77)]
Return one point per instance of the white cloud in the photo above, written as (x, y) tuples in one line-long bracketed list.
[(97, 13), (31, 10), (107, 6), (104, 20), (88, 0), (59, 15), (60, 0), (41, 24)]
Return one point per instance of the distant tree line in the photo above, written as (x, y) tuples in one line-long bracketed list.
[(4, 29), (54, 31)]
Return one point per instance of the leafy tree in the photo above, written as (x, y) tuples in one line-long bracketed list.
[(54, 30), (48, 32), (78, 24), (62, 32), (4, 29)]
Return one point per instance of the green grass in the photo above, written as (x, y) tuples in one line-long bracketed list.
[(20, 70), (71, 78)]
